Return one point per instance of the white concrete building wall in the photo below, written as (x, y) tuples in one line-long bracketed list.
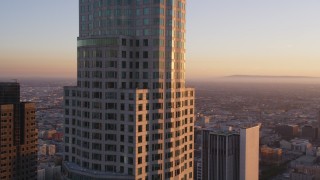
[(249, 153)]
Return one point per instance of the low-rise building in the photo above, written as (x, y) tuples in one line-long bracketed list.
[(301, 176), (286, 145), (48, 171), (300, 145), (51, 149), (43, 150), (270, 155), (46, 149)]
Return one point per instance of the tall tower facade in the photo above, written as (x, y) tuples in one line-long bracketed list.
[(130, 115), (18, 142), (230, 154)]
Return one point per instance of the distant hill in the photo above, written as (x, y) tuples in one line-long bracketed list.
[(269, 77)]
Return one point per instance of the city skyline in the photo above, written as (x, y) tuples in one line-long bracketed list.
[(259, 38), (160, 89)]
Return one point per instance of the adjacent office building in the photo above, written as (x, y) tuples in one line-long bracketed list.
[(130, 115), (230, 154), (18, 142)]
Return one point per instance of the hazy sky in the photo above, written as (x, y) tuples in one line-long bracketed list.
[(224, 37)]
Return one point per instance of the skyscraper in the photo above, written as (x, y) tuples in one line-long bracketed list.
[(18, 142), (130, 115), (230, 154)]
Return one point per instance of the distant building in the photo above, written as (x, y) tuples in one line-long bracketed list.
[(300, 145), (309, 132), (304, 160), (43, 150), (49, 134), (305, 167), (296, 144), (317, 151), (230, 155), (51, 149), (57, 137), (41, 134), (199, 171), (301, 176), (288, 131), (285, 145), (270, 155), (48, 171), (203, 120), (318, 125), (19, 137)]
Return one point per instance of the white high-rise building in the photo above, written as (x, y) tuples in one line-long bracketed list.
[(230, 154), (249, 153), (130, 115)]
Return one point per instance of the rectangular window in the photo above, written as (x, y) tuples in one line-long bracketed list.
[(145, 54)]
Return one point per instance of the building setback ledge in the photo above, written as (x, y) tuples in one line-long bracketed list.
[(75, 170)]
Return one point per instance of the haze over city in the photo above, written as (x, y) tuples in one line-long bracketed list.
[(279, 38), (160, 90)]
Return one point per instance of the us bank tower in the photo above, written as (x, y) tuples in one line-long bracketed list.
[(130, 115)]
